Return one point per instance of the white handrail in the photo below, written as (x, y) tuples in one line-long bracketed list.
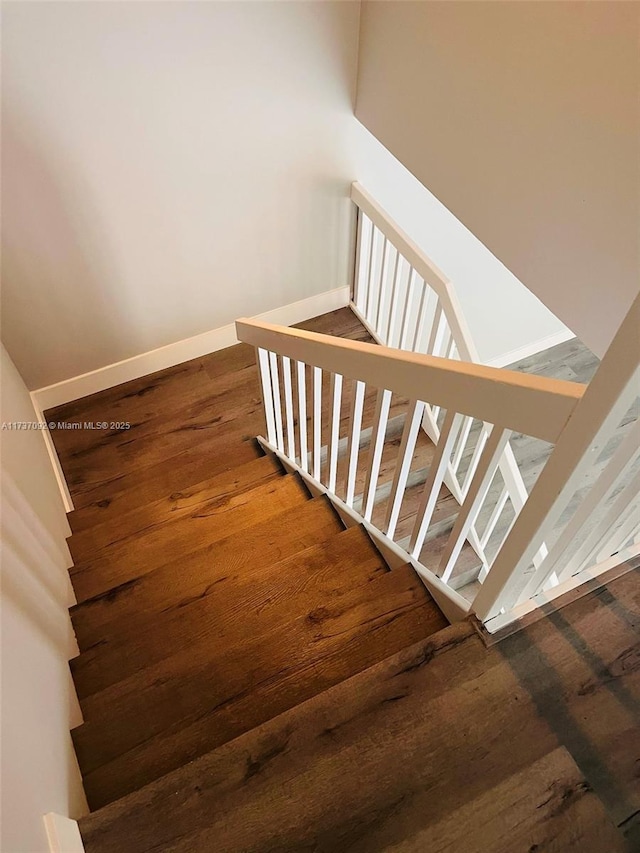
[(534, 405), (437, 327)]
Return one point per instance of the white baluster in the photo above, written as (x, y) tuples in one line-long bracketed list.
[(395, 300), (288, 407), (383, 402), (475, 457), (376, 235), (434, 480), (277, 403), (617, 467), (494, 517), (597, 536), (403, 465), (462, 443), (474, 499), (384, 284), (426, 298), (302, 415), (355, 426), (334, 437), (267, 395), (317, 421), (363, 242), (406, 326)]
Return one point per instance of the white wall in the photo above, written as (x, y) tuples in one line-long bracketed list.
[(523, 119), (37, 700), (167, 168), (504, 317)]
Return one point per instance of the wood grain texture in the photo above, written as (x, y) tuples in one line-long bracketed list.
[(246, 602), (213, 592), (392, 757), (254, 678), (136, 554), (178, 504), (141, 600), (184, 705)]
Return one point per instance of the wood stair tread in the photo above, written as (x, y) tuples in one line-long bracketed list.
[(184, 705), (137, 554), (178, 503), (232, 606), (140, 448), (408, 745), (154, 404), (144, 598), (122, 490)]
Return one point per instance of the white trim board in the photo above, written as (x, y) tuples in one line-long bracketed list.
[(163, 357), (530, 349), (180, 351), (63, 834), (508, 358)]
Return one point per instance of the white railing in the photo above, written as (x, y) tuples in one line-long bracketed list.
[(588, 493), (400, 295), (297, 368), (332, 408), (405, 301)]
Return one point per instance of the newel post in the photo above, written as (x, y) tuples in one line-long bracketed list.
[(603, 405)]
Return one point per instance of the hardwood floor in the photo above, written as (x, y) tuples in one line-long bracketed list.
[(254, 677), (213, 591), (532, 744)]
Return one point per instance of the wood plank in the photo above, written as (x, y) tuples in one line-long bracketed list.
[(84, 544), (224, 419), (137, 554), (547, 806), (141, 600), (143, 397), (174, 711), (245, 602), (127, 490), (406, 744), (130, 490)]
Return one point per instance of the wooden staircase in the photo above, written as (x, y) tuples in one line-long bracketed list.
[(230, 626)]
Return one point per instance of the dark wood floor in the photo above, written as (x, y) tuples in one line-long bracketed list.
[(213, 591), (254, 678), (531, 745)]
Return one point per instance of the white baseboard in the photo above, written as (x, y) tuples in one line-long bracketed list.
[(531, 349), (63, 834), (172, 354), (163, 357)]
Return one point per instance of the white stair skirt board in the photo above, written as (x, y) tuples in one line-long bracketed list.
[(511, 357), (63, 834), (168, 356), (532, 348)]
